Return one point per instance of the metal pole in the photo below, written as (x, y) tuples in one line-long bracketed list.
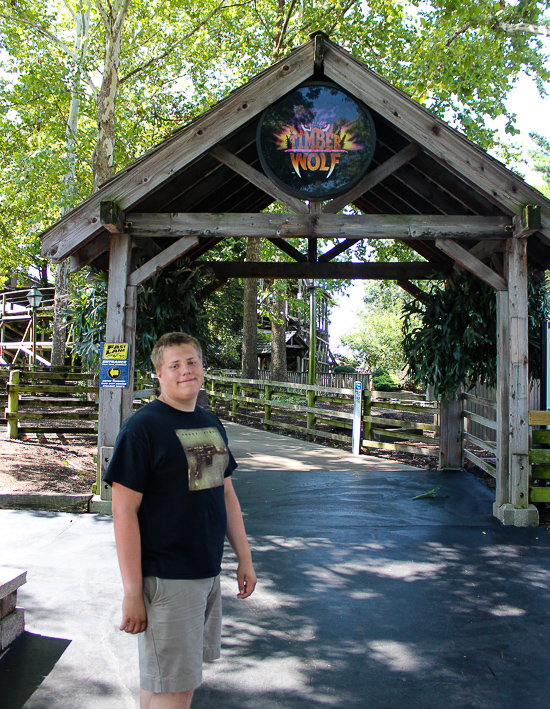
[(33, 337), (312, 334)]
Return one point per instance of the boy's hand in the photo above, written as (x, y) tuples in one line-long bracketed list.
[(134, 616), (246, 578)]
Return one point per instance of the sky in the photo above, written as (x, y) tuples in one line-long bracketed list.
[(533, 115)]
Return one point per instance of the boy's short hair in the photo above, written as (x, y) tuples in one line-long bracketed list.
[(172, 339)]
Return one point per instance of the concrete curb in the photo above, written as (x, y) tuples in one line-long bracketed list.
[(53, 501)]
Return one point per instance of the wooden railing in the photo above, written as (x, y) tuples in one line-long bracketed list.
[(539, 456), (64, 404), (388, 419), (486, 424)]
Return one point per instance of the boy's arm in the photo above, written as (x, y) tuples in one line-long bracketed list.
[(126, 504), (236, 535)]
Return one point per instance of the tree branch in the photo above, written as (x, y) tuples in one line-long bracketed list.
[(523, 27), (173, 46)]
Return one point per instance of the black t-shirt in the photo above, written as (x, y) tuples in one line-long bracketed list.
[(178, 460)]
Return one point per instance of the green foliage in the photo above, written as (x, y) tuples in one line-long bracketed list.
[(168, 301), (541, 157), (450, 338), (383, 380), (376, 342), (343, 369)]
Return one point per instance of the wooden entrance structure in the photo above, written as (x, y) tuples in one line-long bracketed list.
[(427, 186)]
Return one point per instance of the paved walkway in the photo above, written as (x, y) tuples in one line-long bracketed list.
[(367, 599)]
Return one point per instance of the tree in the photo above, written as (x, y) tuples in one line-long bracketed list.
[(450, 336), (249, 368), (541, 159), (376, 342)]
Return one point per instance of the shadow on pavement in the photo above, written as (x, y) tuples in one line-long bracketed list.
[(25, 665)]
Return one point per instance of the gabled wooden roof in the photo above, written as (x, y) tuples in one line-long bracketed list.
[(421, 168)]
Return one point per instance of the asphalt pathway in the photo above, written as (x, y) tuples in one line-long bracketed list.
[(366, 598)]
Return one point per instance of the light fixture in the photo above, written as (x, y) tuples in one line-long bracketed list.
[(34, 296)]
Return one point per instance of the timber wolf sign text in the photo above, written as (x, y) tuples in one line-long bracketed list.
[(316, 142)]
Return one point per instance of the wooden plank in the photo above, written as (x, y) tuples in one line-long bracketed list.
[(453, 150), (471, 263), (480, 443), (399, 422), (159, 166), (90, 251), (158, 262), (403, 435), (480, 400), (477, 418), (373, 178), (540, 472), (539, 494), (540, 435), (450, 449), (391, 270), (258, 179), (416, 450), (539, 418), (289, 250), (288, 226), (539, 456), (487, 247), (476, 460), (54, 416), (411, 289), (338, 249)]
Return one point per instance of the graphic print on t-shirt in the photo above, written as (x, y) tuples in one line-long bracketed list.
[(207, 457)]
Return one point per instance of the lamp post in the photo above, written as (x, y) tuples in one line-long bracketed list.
[(312, 333), (34, 296)]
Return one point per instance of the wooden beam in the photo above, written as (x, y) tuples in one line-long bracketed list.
[(147, 175), (287, 226), (411, 289), (161, 260), (257, 178), (465, 159), (342, 246), (471, 263), (333, 269), (90, 251), (487, 247), (289, 249), (373, 178)]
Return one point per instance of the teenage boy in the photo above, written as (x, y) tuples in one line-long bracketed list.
[(173, 504)]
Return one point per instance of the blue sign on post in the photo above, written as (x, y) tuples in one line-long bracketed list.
[(356, 429), (114, 365)]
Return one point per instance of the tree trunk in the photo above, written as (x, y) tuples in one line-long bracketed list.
[(59, 325), (249, 366), (278, 368), (103, 157)]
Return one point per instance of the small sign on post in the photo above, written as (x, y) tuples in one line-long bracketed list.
[(356, 429), (114, 365)]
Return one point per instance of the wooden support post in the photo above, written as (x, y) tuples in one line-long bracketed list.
[(450, 441), (130, 337), (235, 403), (13, 403), (311, 399), (367, 409), (213, 395), (517, 510), (267, 407), (502, 493), (111, 413)]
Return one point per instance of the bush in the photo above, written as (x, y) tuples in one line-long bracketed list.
[(344, 369), (383, 380)]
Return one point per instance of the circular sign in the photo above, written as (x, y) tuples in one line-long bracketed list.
[(316, 142), (114, 372)]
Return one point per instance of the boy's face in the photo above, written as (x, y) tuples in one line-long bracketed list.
[(180, 376)]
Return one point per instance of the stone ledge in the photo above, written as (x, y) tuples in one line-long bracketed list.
[(54, 501), (11, 627), (99, 506), (10, 580)]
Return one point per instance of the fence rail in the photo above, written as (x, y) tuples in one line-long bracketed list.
[(389, 420)]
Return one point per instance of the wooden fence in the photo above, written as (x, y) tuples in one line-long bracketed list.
[(399, 421), (63, 403)]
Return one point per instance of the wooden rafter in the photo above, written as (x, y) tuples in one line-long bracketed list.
[(372, 178), (170, 254), (257, 178), (472, 264)]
